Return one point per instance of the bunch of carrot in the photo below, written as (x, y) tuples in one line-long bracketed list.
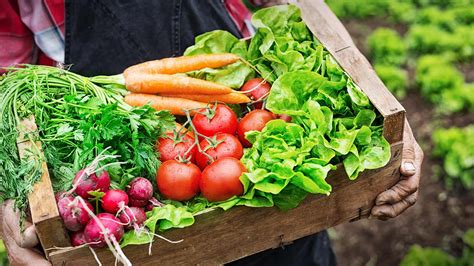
[(156, 83)]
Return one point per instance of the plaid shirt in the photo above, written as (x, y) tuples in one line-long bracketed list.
[(32, 31)]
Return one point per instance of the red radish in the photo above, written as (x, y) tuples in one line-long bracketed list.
[(255, 120), (78, 239), (137, 203), (140, 189), (133, 216), (257, 89), (94, 234), (114, 200), (59, 195), (74, 215), (152, 203), (85, 183)]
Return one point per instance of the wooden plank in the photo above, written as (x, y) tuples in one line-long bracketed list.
[(219, 237), (324, 24), (43, 209)]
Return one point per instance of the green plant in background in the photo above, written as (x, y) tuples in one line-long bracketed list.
[(456, 148), (395, 79), (429, 39), (437, 17), (401, 11), (386, 47), (442, 84), (420, 256), (3, 254), (432, 39)]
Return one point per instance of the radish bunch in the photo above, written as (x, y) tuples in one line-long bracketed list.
[(120, 210)]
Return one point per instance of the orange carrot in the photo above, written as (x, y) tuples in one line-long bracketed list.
[(175, 105), (183, 64), (162, 83), (231, 98)]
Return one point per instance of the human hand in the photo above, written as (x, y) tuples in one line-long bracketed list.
[(401, 196), (20, 245)]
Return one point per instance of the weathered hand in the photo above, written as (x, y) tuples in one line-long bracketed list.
[(402, 195), (20, 245)]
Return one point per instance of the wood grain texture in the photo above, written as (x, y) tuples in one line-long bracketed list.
[(43, 209), (219, 237), (324, 24)]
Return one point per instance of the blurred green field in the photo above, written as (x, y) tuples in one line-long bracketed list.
[(423, 50)]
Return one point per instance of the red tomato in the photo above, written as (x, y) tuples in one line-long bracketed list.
[(255, 120), (226, 145), (258, 88), (177, 180), (209, 122), (221, 179), (285, 118), (171, 147)]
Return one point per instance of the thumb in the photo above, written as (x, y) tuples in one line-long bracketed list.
[(408, 153), (11, 223)]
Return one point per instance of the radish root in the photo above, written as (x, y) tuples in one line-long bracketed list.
[(109, 239)]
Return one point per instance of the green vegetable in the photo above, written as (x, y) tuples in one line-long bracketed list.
[(394, 78), (419, 256), (3, 254), (220, 41), (397, 11), (442, 84), (77, 119), (386, 47), (159, 219), (333, 120), (427, 256), (71, 145), (456, 148)]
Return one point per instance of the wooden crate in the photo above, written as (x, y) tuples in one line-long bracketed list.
[(219, 237)]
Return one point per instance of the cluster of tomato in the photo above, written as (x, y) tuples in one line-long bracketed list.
[(211, 163)]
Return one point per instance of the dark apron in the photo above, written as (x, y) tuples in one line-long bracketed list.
[(103, 37)]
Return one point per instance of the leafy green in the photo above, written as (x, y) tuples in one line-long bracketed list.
[(397, 11), (456, 148), (159, 219), (77, 119), (3, 254), (386, 47), (131, 134), (427, 256), (333, 120), (419, 256), (219, 41), (442, 84), (395, 79)]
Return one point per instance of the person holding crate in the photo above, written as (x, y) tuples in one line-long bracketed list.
[(179, 22)]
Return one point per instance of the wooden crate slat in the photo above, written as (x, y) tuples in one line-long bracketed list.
[(219, 237), (43, 209)]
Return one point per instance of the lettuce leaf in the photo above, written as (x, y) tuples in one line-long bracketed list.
[(220, 41), (159, 219)]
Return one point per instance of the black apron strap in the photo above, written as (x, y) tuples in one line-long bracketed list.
[(103, 37)]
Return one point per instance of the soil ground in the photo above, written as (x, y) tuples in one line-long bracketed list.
[(438, 219)]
